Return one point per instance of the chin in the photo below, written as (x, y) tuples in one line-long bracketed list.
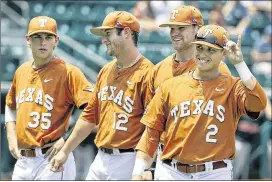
[(204, 68), (43, 56)]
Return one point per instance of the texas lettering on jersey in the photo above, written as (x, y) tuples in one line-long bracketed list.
[(183, 110), (122, 96), (44, 100), (36, 96), (109, 93)]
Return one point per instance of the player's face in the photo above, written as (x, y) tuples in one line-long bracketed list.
[(42, 45), (208, 58), (113, 42), (182, 36)]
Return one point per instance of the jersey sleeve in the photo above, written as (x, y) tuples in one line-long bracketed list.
[(249, 102), (151, 80), (80, 88), (155, 114), (149, 141), (90, 112), (11, 95), (145, 90), (223, 68)]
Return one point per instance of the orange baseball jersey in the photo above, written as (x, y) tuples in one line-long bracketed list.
[(169, 68), (122, 96), (200, 118), (44, 100)]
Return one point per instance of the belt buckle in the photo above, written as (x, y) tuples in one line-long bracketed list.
[(174, 164), (116, 151), (208, 166), (193, 166)]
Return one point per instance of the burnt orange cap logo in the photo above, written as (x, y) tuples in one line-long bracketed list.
[(184, 15), (117, 19), (212, 36), (42, 24)]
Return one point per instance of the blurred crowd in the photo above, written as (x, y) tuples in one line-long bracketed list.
[(251, 19)]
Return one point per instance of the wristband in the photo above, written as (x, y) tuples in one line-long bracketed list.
[(245, 75), (10, 115)]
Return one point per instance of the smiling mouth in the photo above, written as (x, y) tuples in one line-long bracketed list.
[(203, 61), (42, 49), (176, 39)]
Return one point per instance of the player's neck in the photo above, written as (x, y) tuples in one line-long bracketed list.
[(185, 55), (205, 75), (38, 63), (128, 58)]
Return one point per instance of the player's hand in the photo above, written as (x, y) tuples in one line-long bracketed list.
[(147, 176), (137, 177), (15, 152), (233, 50), (54, 149), (58, 161)]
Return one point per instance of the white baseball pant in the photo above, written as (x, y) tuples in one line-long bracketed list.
[(158, 170), (38, 168), (170, 173), (118, 166)]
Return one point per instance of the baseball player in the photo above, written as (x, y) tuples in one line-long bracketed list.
[(184, 21), (199, 112), (39, 103), (121, 97)]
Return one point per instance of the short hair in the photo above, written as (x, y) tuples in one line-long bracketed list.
[(135, 35)]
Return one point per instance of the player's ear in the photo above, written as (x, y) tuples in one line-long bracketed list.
[(56, 41), (27, 40), (127, 32), (224, 53)]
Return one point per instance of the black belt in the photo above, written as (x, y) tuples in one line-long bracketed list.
[(193, 168), (32, 152), (110, 151)]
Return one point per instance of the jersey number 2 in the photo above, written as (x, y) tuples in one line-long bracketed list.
[(213, 131), (122, 119), (46, 123)]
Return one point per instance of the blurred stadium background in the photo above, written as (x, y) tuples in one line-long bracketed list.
[(79, 47)]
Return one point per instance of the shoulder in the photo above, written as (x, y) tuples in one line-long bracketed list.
[(24, 66), (177, 81), (63, 66), (146, 63), (165, 62), (108, 66)]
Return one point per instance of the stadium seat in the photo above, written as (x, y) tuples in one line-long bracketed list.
[(36, 8), (246, 54), (144, 37), (49, 10), (259, 21), (231, 20), (98, 13), (81, 31), (65, 47), (60, 11), (63, 27), (205, 5), (247, 39), (154, 56), (158, 37)]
